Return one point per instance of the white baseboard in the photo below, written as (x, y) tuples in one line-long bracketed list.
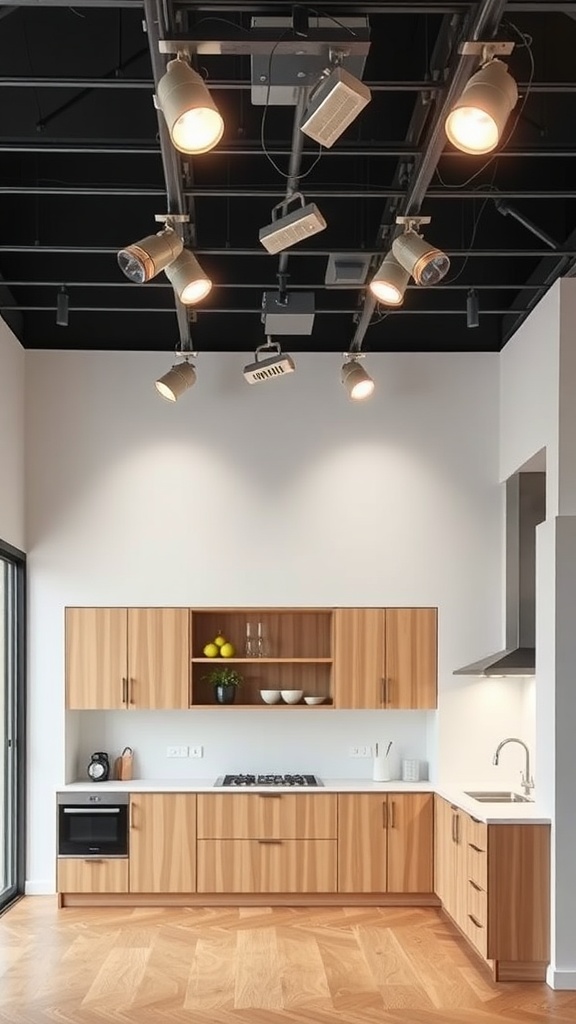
[(561, 981), (39, 887)]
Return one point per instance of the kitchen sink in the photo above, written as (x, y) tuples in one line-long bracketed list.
[(499, 796)]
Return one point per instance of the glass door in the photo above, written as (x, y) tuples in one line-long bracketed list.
[(12, 714)]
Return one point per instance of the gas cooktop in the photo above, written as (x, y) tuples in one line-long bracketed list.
[(268, 780)]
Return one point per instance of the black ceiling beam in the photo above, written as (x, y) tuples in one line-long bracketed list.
[(347, 8), (106, 250), (319, 286), (274, 193), (225, 310)]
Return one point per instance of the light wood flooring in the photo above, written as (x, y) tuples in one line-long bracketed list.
[(252, 966)]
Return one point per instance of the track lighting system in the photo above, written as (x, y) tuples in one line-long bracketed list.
[(334, 104), (188, 279), (476, 122), (269, 361), (424, 262), (291, 227), (178, 379), (356, 380), (389, 282), (62, 307), (142, 260), (192, 117)]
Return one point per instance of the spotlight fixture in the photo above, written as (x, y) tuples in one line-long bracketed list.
[(476, 122), (265, 367), (142, 260), (423, 261), (193, 119), (178, 379), (292, 227), (389, 282), (335, 102), (357, 382), (188, 279), (62, 305), (472, 309)]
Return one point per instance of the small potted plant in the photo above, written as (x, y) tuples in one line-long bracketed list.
[(224, 681)]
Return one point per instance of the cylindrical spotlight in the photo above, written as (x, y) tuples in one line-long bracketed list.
[(389, 282), (188, 279), (194, 121), (357, 382), (472, 309), (141, 261), (425, 262), (174, 383), (476, 123)]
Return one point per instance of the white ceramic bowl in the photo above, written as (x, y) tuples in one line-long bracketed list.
[(291, 696), (270, 696), (314, 700)]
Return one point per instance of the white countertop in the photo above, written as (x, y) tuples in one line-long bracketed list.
[(491, 813)]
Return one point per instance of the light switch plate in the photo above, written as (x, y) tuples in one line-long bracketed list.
[(361, 751), (176, 751), (196, 752)]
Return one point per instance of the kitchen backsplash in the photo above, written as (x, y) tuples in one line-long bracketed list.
[(280, 740)]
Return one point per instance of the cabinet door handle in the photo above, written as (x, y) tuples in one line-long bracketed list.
[(454, 828), (270, 842), (475, 922), (475, 885), (131, 816), (124, 690), (384, 814), (383, 691), (392, 814), (475, 848), (131, 690), (270, 796)]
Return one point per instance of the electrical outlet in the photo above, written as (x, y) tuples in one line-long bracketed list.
[(196, 752), (363, 751), (176, 751)]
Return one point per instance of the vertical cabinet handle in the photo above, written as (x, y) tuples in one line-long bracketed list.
[(131, 815), (131, 691), (454, 837), (124, 690), (384, 814), (392, 814), (383, 691)]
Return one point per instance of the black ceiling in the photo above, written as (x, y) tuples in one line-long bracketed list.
[(82, 175)]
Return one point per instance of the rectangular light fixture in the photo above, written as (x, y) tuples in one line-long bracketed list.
[(335, 103), (292, 228), (276, 365), (291, 313)]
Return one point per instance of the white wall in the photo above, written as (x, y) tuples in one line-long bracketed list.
[(12, 367), (280, 494)]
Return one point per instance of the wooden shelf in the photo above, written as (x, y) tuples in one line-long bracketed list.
[(264, 706), (261, 661)]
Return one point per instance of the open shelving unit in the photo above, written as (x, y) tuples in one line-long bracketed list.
[(297, 644)]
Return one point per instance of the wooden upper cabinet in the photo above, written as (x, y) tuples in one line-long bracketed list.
[(411, 657), (163, 842), (385, 657), (96, 658), (127, 658), (359, 665), (158, 658)]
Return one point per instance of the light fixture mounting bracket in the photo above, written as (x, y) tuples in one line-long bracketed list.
[(486, 50), (412, 223), (171, 218)]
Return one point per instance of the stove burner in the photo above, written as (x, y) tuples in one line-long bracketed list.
[(269, 780)]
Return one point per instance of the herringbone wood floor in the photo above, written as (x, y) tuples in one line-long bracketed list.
[(252, 966)]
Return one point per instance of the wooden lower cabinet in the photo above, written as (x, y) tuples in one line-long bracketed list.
[(493, 881), (267, 865), (385, 842), (92, 876), (163, 842)]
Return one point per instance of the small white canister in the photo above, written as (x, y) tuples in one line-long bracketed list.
[(410, 769)]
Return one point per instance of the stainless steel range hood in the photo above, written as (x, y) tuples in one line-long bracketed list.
[(525, 508)]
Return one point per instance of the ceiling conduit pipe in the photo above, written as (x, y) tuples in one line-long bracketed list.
[(171, 162), (482, 25), (294, 169)]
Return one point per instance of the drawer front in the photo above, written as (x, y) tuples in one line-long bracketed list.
[(477, 903), (256, 866), (477, 833), (267, 816), (477, 865), (477, 933), (77, 875)]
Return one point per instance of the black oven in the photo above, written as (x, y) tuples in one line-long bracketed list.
[(92, 825)]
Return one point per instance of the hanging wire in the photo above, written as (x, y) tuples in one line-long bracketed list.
[(526, 44), (265, 112)]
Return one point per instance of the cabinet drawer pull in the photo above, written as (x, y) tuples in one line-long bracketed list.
[(93, 860), (384, 814), (270, 796), (270, 842), (124, 690), (475, 885), (455, 828), (392, 814), (475, 848), (475, 922)]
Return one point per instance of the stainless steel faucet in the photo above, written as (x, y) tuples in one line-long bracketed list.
[(527, 780)]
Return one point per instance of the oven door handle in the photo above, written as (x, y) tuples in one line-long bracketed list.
[(91, 810)]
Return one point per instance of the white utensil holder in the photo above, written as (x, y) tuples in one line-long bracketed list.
[(381, 769)]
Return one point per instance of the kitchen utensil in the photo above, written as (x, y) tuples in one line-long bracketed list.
[(123, 765), (291, 696)]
